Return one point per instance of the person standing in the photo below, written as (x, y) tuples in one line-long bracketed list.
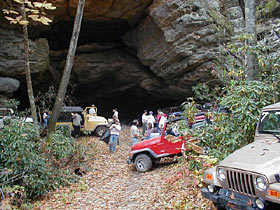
[(92, 110), (77, 119), (115, 114), (134, 132), (45, 119), (148, 131), (115, 129), (150, 118), (158, 119), (161, 122), (144, 121)]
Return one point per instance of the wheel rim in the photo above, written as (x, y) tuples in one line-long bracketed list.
[(101, 131), (141, 164)]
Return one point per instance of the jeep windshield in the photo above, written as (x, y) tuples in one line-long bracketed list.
[(270, 122)]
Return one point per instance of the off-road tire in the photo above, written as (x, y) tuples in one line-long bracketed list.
[(100, 130), (143, 163), (218, 207)]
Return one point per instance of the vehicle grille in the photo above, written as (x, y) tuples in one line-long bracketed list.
[(241, 182)]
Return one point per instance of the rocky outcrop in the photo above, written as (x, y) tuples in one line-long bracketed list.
[(12, 51), (110, 10), (8, 85), (177, 41), (112, 72), (157, 48)]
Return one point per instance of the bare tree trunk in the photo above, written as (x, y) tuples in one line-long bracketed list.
[(250, 59), (27, 68), (68, 66)]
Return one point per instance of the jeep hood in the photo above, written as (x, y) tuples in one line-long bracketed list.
[(97, 119), (261, 157), (146, 143)]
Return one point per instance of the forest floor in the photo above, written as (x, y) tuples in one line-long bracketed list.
[(113, 184)]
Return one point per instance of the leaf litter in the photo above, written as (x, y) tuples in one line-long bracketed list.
[(114, 185)]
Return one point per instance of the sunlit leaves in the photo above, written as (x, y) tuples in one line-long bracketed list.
[(17, 20), (41, 19), (34, 11), (45, 5), (18, 1), (6, 11), (23, 22)]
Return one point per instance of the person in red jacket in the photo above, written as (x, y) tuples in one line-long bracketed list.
[(158, 118)]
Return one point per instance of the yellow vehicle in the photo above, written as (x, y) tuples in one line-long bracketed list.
[(91, 122)]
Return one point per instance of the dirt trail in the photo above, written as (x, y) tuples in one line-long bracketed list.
[(111, 184)]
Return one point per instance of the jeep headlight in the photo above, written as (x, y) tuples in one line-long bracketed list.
[(260, 183), (221, 174)]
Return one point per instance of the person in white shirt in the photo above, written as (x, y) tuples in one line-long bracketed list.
[(115, 114), (144, 121), (92, 110), (115, 129), (45, 119), (162, 121), (150, 118)]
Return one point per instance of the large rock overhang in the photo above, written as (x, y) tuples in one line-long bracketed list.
[(154, 51)]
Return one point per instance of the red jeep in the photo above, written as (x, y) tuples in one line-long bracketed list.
[(147, 152)]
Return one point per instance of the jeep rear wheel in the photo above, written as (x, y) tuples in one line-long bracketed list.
[(100, 130), (143, 163)]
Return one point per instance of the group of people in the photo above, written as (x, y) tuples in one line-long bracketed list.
[(151, 127), (76, 120), (149, 122)]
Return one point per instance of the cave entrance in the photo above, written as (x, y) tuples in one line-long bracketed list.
[(102, 62), (130, 105)]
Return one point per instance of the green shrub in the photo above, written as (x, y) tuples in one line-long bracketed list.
[(25, 161), (243, 98), (233, 130), (60, 145)]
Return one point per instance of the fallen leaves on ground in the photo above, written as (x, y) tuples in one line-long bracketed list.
[(113, 184)]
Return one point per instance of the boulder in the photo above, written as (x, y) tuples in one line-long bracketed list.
[(8, 85)]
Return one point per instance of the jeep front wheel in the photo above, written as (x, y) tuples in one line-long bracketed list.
[(100, 130), (143, 163)]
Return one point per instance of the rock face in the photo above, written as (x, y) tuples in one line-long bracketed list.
[(96, 10), (178, 42), (11, 54), (153, 48), (109, 69), (8, 85), (109, 72)]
